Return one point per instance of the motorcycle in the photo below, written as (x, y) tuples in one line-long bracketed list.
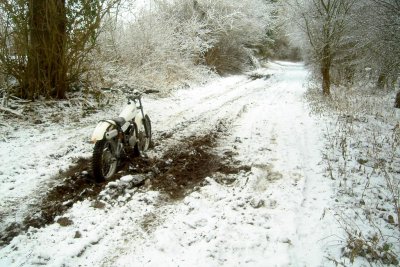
[(115, 139)]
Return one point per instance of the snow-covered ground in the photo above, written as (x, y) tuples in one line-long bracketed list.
[(276, 214)]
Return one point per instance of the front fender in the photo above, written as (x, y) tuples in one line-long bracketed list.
[(139, 121), (101, 129)]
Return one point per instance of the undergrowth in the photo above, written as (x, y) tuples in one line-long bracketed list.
[(362, 157)]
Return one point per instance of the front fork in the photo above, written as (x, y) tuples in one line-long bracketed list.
[(143, 118), (120, 145)]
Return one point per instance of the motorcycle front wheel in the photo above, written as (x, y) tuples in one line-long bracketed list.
[(104, 161), (144, 137), (147, 125)]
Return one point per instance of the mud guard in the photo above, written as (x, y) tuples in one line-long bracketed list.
[(101, 129)]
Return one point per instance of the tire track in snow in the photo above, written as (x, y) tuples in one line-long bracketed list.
[(290, 173), (223, 107)]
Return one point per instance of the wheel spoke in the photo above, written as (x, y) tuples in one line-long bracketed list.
[(104, 161)]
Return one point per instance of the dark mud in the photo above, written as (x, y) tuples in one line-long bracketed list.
[(178, 172), (185, 167), (74, 185)]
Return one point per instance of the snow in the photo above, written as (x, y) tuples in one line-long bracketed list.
[(277, 214), (361, 157), (32, 155)]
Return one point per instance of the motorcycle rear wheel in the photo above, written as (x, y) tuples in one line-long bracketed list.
[(104, 161)]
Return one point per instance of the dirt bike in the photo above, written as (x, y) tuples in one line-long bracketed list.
[(119, 138)]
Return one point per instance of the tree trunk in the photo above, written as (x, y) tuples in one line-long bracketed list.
[(382, 81), (325, 71), (326, 80), (46, 68), (397, 101)]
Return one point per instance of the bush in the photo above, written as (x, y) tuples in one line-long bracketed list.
[(181, 41)]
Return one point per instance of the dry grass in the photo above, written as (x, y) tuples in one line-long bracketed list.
[(362, 157)]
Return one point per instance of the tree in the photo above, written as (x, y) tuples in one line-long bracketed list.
[(376, 32), (46, 65), (324, 24), (45, 45)]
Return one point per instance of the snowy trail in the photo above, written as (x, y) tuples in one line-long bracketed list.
[(273, 215)]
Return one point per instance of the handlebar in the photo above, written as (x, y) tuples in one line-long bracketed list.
[(128, 90), (134, 93)]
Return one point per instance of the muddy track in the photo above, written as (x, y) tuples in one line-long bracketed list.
[(185, 167), (178, 171)]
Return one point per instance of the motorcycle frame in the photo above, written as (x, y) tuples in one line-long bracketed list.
[(132, 117)]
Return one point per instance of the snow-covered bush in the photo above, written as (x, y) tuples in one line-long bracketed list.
[(179, 41), (233, 29)]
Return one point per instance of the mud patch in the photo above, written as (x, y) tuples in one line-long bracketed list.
[(178, 172), (182, 169), (256, 76), (148, 222), (74, 185), (265, 176)]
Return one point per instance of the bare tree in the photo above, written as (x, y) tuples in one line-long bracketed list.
[(324, 24), (376, 31)]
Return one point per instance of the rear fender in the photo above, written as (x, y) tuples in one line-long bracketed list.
[(101, 129)]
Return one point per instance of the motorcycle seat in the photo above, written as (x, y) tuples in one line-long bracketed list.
[(119, 121)]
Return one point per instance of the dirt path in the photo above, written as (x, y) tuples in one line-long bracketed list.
[(258, 200)]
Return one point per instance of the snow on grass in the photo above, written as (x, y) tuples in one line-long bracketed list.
[(361, 157)]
